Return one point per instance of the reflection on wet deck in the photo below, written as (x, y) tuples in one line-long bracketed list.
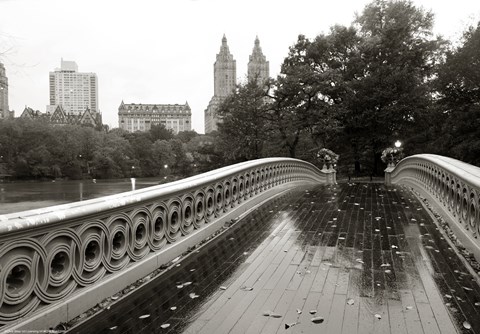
[(358, 258)]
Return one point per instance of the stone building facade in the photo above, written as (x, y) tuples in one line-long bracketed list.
[(140, 117)]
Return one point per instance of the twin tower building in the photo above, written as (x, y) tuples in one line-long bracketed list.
[(225, 78), (140, 117)]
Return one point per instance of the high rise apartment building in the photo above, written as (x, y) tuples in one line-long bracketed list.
[(73, 90), (225, 79), (4, 110)]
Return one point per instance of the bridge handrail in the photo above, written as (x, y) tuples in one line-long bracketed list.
[(48, 254), (453, 185)]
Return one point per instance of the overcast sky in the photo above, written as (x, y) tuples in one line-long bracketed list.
[(163, 51)]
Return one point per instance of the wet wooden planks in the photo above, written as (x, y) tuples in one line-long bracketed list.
[(350, 259)]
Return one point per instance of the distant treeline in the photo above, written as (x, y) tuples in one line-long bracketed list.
[(40, 150)]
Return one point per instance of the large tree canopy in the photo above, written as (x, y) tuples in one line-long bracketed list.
[(458, 87)]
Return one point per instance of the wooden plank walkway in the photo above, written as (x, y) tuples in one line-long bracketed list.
[(365, 258)]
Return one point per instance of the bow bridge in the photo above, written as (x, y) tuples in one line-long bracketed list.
[(265, 246)]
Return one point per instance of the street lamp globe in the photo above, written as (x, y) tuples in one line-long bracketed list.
[(398, 143)]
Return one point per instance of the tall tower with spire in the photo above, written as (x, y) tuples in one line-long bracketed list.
[(224, 82), (225, 71), (4, 111), (258, 66)]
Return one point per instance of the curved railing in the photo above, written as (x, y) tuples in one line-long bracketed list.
[(47, 255), (452, 184)]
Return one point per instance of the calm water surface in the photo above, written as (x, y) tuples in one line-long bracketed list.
[(21, 196)]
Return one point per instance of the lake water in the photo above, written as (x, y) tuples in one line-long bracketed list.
[(21, 196)]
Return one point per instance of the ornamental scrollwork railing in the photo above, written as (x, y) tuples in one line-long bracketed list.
[(48, 254), (453, 184)]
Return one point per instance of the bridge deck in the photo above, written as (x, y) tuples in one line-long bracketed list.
[(366, 258)]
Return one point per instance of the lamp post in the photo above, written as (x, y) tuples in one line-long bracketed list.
[(132, 179)]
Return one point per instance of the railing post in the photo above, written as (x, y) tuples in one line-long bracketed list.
[(331, 175), (388, 174)]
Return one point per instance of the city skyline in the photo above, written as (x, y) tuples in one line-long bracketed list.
[(164, 52)]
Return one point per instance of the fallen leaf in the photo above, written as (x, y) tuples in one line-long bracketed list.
[(193, 295), (409, 307), (350, 301), (467, 325), (266, 313), (176, 259), (317, 320), (223, 288), (247, 288), (378, 316), (112, 328), (173, 308), (477, 304), (313, 311), (275, 315), (467, 288), (448, 296), (165, 326), (393, 246), (187, 283), (287, 326), (144, 316), (388, 271), (385, 265), (114, 297), (179, 286), (299, 311)]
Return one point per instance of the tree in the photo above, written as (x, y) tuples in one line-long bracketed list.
[(163, 155), (458, 88), (186, 136), (294, 97), (160, 132), (243, 129), (397, 57), (181, 164)]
